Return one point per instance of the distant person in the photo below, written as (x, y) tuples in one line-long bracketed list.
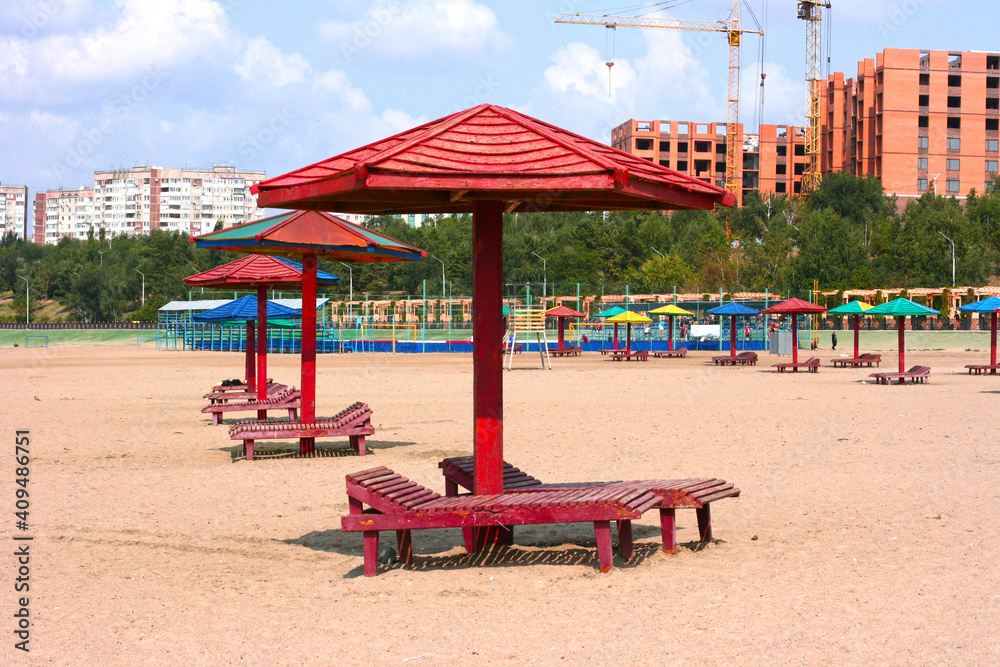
[(833, 339)]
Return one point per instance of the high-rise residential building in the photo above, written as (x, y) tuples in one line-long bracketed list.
[(138, 200), (411, 219), (918, 120), (772, 160), (14, 210), (62, 213)]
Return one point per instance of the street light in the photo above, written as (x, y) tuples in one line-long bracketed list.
[(657, 252), (143, 285), (350, 307), (27, 300), (101, 253), (442, 274), (952, 258), (545, 276)]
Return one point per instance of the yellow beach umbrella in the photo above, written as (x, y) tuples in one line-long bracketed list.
[(628, 318), (670, 310)]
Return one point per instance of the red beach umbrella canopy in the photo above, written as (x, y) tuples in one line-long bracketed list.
[(797, 306), (563, 311), (487, 160), (254, 271)]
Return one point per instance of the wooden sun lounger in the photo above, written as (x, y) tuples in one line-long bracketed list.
[(863, 359), (637, 355), (983, 368), (228, 396), (397, 503), (917, 374), (676, 352), (674, 493), (567, 351), (743, 358), (287, 399), (233, 387), (811, 365), (355, 422)]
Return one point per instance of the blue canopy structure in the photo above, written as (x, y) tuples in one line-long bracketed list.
[(732, 310), (991, 306), (984, 306), (245, 308)]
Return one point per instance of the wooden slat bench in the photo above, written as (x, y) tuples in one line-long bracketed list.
[(397, 503), (355, 422), (676, 352), (743, 358), (916, 375), (862, 360), (229, 396), (634, 355), (811, 365), (241, 386), (985, 369), (674, 493), (568, 351), (287, 399)]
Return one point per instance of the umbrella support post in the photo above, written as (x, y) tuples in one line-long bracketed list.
[(307, 446), (261, 348)]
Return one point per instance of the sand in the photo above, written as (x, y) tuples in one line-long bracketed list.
[(866, 533)]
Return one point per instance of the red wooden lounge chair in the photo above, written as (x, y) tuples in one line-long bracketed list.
[(674, 493), (916, 375), (983, 368), (240, 386), (567, 351), (863, 359), (228, 396), (397, 503), (743, 358), (355, 422), (287, 399), (811, 365), (676, 352), (637, 355)]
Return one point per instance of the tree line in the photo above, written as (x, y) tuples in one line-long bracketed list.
[(847, 235)]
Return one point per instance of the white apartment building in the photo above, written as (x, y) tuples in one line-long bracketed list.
[(62, 213), (138, 200), (14, 210), (411, 219)]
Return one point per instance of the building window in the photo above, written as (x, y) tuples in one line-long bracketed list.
[(682, 128), (925, 79), (992, 82), (954, 144), (800, 150), (780, 169), (701, 129), (702, 147), (954, 102), (682, 165), (779, 188), (644, 144), (954, 123), (992, 124), (991, 166), (682, 147), (782, 151), (701, 166), (993, 103), (665, 163), (921, 185), (951, 185), (800, 168), (924, 100), (797, 187), (952, 165), (923, 121), (922, 142), (922, 163), (992, 145), (954, 80), (664, 146), (720, 166)]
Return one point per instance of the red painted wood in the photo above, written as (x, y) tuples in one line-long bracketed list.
[(993, 339), (307, 445), (404, 544), (857, 334), (562, 328), (250, 370), (628, 338), (732, 335), (261, 346), (616, 335), (704, 523), (625, 543), (602, 531), (900, 323), (668, 529), (795, 338), (487, 362), (670, 336), (371, 553)]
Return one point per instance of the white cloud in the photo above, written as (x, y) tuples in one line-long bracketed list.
[(581, 68), (400, 120), (264, 63), (337, 82), (13, 61), (418, 27)]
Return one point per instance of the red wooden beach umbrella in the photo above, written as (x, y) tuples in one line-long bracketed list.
[(561, 313), (487, 160), (309, 235), (260, 272), (795, 307)]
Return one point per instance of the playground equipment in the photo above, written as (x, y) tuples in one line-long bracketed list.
[(527, 320)]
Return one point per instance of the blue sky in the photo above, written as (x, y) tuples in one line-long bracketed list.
[(101, 84)]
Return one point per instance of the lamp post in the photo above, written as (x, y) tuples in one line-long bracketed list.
[(657, 252), (545, 277), (101, 253), (143, 285), (350, 307), (27, 300), (952, 258)]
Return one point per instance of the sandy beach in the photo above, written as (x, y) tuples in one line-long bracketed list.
[(866, 533)]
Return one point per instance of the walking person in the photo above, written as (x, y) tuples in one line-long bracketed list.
[(833, 338)]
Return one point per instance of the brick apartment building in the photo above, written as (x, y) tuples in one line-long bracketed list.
[(918, 120), (14, 210), (61, 213)]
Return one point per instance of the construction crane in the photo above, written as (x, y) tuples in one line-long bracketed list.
[(734, 33), (811, 11)]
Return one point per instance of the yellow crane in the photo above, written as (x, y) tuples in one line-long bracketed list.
[(811, 11), (733, 31)]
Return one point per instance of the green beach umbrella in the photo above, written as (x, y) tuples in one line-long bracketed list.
[(901, 309), (611, 312)]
